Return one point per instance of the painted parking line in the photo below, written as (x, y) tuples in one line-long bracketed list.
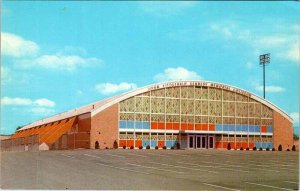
[(67, 156), (291, 182), (121, 168), (274, 166), (264, 185), (247, 166), (92, 156), (120, 156), (217, 186), (176, 166), (136, 155), (151, 167), (222, 165), (216, 167)]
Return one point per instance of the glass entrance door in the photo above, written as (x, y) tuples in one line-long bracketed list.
[(191, 141), (198, 142), (211, 142), (203, 141)]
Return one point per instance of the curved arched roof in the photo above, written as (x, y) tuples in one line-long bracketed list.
[(189, 83), (99, 106)]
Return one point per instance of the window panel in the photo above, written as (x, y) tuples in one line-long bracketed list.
[(204, 93)]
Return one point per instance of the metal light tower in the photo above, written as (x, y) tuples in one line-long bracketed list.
[(264, 59)]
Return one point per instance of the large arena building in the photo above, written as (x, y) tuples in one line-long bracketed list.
[(189, 114)]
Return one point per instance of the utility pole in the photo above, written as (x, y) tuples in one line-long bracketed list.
[(264, 59)]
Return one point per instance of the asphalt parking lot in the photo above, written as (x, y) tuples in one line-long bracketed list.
[(150, 170)]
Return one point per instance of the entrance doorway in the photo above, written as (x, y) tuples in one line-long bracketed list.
[(201, 141), (96, 145), (191, 141), (211, 142)]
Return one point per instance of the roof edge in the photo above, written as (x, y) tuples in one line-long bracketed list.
[(202, 83)]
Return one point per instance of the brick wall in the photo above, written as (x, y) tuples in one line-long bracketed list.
[(82, 136), (283, 132), (105, 127)]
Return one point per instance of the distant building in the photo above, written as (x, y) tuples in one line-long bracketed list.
[(189, 114)]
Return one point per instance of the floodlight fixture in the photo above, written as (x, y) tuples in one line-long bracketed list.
[(264, 59)]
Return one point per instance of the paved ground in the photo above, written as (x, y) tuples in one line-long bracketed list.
[(150, 169)]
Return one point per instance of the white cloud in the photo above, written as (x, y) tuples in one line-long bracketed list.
[(225, 31), (271, 89), (16, 101), (165, 8), (295, 116), (283, 45), (271, 41), (179, 73), (230, 30), (42, 110), (293, 53), (26, 55), (27, 102), (59, 62), (16, 46), (109, 88), (44, 102)]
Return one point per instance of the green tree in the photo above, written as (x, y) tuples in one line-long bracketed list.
[(19, 127)]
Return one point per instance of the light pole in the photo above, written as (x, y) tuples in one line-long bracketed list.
[(264, 59)]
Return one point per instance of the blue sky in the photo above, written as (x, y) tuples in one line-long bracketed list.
[(56, 56)]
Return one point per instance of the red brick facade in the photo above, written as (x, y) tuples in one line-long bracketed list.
[(82, 136), (283, 131), (104, 127)]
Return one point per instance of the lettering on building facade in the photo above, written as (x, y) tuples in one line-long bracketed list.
[(200, 84)]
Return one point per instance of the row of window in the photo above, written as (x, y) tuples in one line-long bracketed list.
[(197, 107), (124, 124), (196, 119), (244, 128)]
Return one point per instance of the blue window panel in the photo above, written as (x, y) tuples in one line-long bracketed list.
[(258, 145), (270, 129), (238, 128), (219, 127), (122, 124), (245, 128), (270, 145), (153, 144), (231, 127), (225, 127), (138, 125), (146, 143), (256, 128), (130, 125), (264, 145), (251, 128), (146, 125), (169, 143)]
